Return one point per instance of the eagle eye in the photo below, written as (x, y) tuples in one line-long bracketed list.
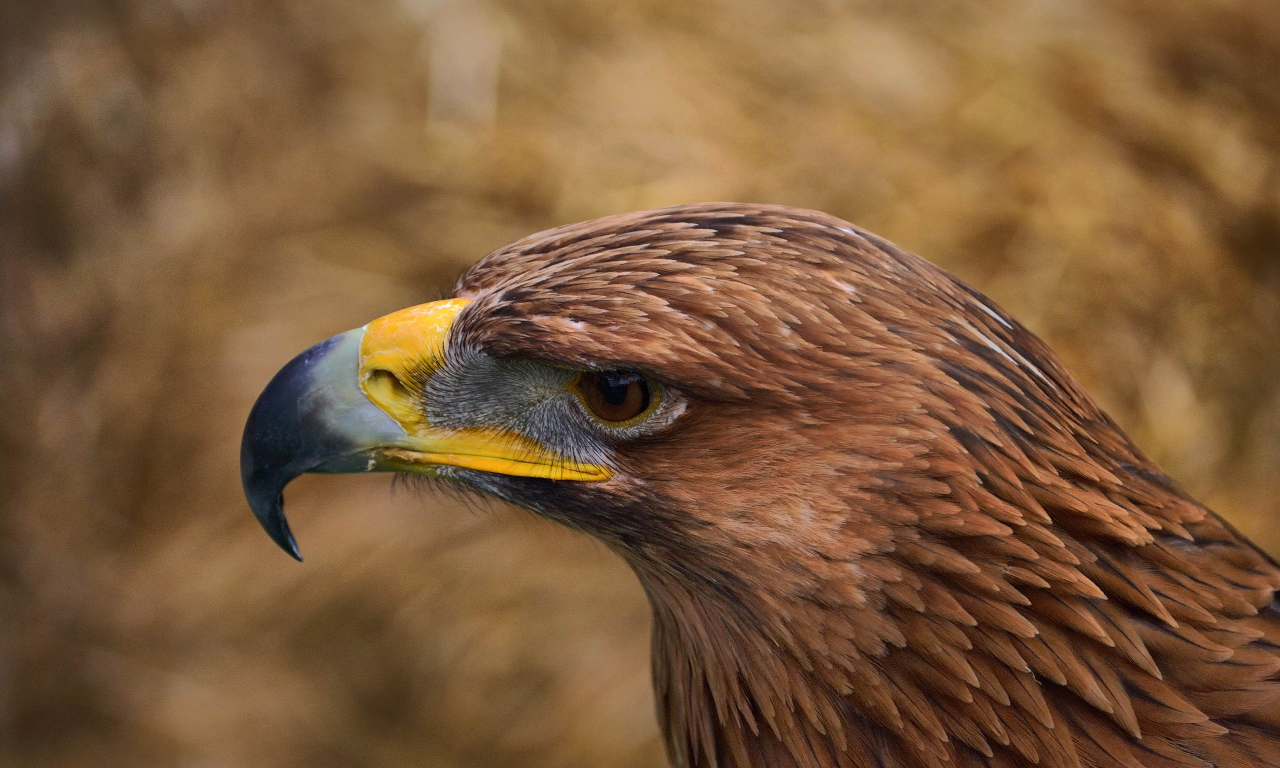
[(614, 397)]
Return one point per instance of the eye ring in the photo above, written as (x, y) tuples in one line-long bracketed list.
[(617, 398)]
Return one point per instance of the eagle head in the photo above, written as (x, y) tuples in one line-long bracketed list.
[(873, 514)]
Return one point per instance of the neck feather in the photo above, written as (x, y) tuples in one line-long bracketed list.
[(771, 706)]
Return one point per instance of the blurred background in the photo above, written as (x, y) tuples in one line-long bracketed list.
[(192, 191)]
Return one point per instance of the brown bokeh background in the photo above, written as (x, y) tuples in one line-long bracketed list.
[(192, 191)]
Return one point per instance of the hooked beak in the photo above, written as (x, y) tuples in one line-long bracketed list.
[(357, 403)]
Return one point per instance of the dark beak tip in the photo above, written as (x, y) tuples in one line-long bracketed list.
[(271, 516), (279, 444), (282, 536), (264, 490), (292, 548), (300, 423)]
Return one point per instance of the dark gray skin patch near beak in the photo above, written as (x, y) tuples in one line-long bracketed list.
[(312, 417)]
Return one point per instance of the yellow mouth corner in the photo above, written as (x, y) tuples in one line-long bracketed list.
[(395, 352)]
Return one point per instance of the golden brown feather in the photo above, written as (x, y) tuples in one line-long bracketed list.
[(890, 529)]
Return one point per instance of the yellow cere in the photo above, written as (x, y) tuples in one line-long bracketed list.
[(412, 340), (393, 343)]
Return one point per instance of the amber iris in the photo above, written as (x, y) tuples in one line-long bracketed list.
[(614, 395)]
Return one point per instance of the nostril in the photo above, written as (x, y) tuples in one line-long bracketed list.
[(387, 383)]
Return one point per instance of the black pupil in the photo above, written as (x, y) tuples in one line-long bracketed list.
[(614, 384)]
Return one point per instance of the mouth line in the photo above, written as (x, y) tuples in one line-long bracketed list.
[(423, 462)]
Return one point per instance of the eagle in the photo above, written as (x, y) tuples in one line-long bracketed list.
[(877, 521)]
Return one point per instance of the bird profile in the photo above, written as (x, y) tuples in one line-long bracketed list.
[(877, 521)]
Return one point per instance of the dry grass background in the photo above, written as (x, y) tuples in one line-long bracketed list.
[(193, 191)]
